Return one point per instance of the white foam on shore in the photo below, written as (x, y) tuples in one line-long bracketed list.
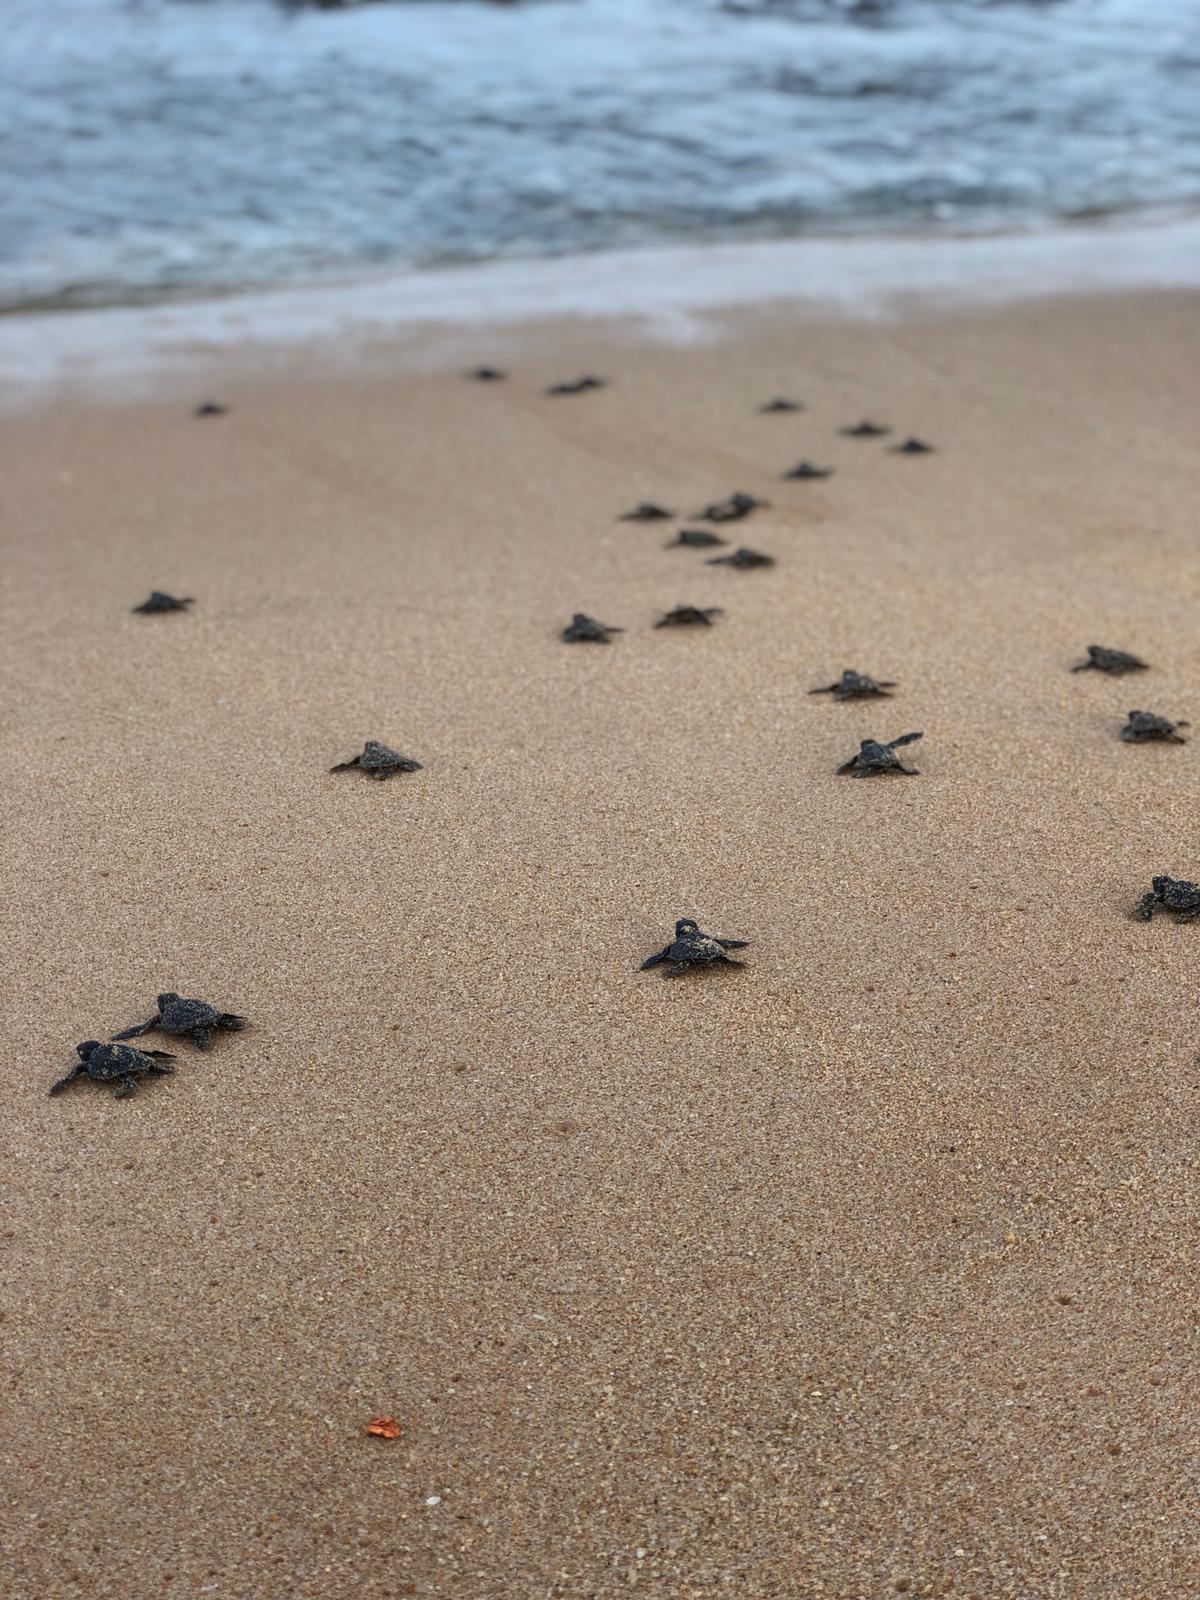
[(669, 295)]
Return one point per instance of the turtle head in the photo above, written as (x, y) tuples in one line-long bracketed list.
[(1161, 884), (85, 1049), (165, 1000), (684, 926)]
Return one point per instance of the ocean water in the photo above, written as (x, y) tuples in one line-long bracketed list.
[(158, 148)]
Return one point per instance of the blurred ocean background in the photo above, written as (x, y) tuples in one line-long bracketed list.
[(157, 148)]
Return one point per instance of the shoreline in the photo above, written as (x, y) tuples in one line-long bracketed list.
[(671, 296)]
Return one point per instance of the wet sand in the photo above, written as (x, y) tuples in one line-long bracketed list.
[(867, 1270)]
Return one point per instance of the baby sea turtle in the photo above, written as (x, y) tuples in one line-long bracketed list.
[(732, 510), (193, 1019), (159, 601), (689, 616), (378, 761), (579, 386), (864, 430), (857, 686), (1144, 726), (805, 469), (1172, 894), (691, 948), (873, 757), (586, 630), (695, 539), (912, 447), (210, 408), (1102, 659), (646, 512), (488, 375), (780, 405), (742, 559), (115, 1063)]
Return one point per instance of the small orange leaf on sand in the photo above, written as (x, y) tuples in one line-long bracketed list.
[(384, 1427)]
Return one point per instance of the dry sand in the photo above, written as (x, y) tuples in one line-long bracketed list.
[(869, 1269)]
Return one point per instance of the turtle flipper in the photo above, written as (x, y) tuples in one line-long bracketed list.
[(201, 1038), (160, 1067), (344, 766), (126, 1087), (230, 1022), (733, 944), (654, 961), (142, 1027), (728, 961), (676, 969), (905, 738), (57, 1088)]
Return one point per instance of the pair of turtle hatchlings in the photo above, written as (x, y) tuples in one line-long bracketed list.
[(124, 1065)]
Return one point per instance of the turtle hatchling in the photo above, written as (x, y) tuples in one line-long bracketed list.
[(857, 686), (1145, 726), (579, 386), (586, 630), (1102, 659), (695, 539), (646, 512), (1171, 894), (488, 375), (742, 559), (689, 617), (873, 757), (210, 408), (378, 761), (780, 405), (159, 601), (115, 1063), (805, 469), (692, 948), (737, 506), (865, 430), (192, 1019), (912, 447)]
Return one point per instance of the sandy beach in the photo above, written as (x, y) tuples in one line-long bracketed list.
[(867, 1270)]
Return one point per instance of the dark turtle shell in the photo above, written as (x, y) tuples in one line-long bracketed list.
[(689, 616), (109, 1061), (579, 386), (583, 629), (1102, 659), (379, 761), (865, 430), (1145, 726), (738, 505), (647, 511), (159, 601), (743, 559)]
